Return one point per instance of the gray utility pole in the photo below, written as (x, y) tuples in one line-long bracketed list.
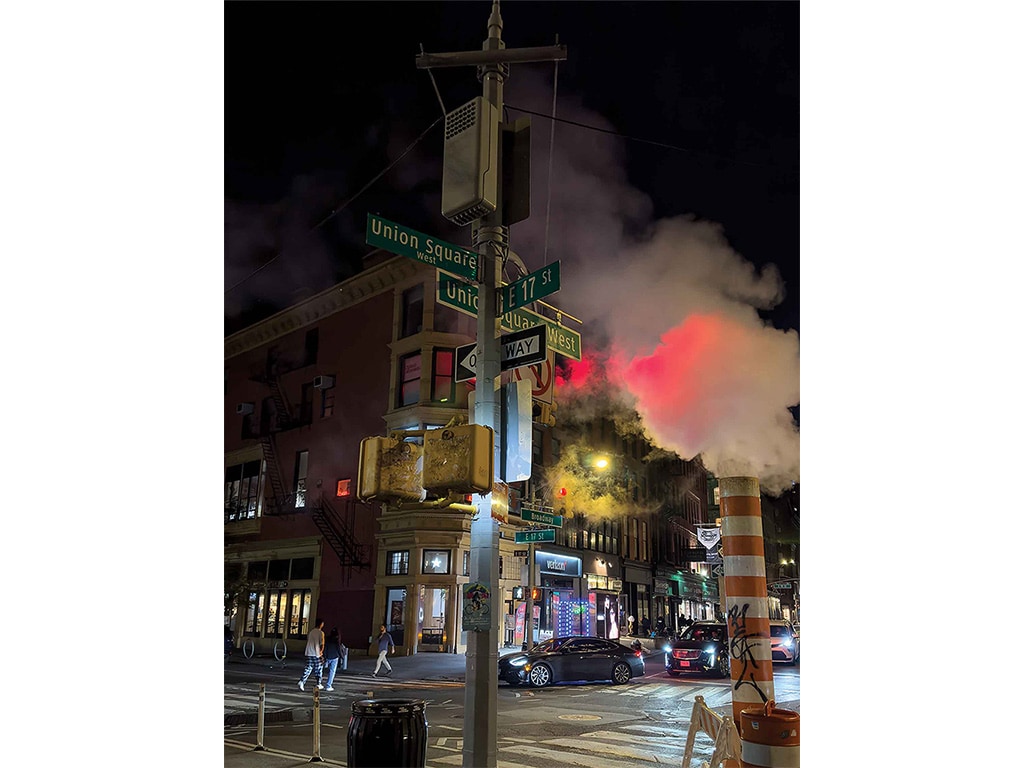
[(531, 558), (491, 241)]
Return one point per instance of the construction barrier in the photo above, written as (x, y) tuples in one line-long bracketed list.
[(746, 595), (721, 729), (770, 737)]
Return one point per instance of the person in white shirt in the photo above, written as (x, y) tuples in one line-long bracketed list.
[(314, 654)]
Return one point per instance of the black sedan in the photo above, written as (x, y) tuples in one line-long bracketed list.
[(703, 647), (563, 659)]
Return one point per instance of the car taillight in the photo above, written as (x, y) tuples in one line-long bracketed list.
[(637, 653)]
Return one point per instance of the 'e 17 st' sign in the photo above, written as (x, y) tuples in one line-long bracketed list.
[(464, 297), (539, 534)]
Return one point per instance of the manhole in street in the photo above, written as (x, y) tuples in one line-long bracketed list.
[(579, 717)]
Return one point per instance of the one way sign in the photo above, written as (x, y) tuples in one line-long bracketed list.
[(517, 349)]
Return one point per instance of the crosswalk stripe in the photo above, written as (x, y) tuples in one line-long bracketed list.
[(644, 741), (590, 760)]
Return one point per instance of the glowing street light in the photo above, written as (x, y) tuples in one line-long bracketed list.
[(601, 463)]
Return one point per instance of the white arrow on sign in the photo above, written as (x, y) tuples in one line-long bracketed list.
[(517, 349)]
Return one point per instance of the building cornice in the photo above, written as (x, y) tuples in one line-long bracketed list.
[(368, 283)]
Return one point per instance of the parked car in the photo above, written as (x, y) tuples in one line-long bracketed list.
[(563, 659), (703, 647), (785, 642)]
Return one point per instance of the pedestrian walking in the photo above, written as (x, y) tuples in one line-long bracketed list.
[(384, 642), (314, 655), (645, 622), (632, 625), (335, 652)]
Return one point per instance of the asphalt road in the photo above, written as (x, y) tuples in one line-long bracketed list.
[(598, 725)]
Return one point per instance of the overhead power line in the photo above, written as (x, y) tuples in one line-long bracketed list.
[(652, 142), (344, 205)]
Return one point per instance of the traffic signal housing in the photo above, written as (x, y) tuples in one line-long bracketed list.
[(544, 413), (390, 470), (458, 459)]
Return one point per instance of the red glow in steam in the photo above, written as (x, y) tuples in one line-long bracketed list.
[(580, 372), (679, 386)]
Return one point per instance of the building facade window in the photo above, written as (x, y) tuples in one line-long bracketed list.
[(448, 320), (398, 563), (436, 561), (306, 406), (242, 483), (409, 371), (301, 468), (311, 346), (412, 310), (442, 385)]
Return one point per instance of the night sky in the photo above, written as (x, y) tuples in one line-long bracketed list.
[(697, 106)]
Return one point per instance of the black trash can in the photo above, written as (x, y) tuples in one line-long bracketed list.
[(387, 733)]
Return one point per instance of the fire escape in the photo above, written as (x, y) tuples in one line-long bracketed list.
[(278, 500)]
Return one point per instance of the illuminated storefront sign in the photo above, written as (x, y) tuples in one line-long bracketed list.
[(559, 564)]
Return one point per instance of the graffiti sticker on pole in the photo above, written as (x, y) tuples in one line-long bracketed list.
[(476, 606)]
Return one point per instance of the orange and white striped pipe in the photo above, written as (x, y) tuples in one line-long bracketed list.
[(746, 595)]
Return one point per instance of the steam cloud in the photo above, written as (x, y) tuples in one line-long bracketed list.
[(669, 308)]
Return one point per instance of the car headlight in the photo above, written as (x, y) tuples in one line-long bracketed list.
[(711, 649), (788, 642), (667, 649), (517, 662)]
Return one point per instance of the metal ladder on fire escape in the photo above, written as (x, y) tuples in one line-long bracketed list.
[(332, 526), (338, 534), (278, 490)]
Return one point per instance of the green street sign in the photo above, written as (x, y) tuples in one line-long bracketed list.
[(542, 517), (540, 534), (528, 289), (463, 297), (402, 241)]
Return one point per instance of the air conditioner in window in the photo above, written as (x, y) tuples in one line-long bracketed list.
[(323, 382), (244, 409)]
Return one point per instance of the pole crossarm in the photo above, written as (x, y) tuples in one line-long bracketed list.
[(503, 56)]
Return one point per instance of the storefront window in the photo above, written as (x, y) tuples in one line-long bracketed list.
[(276, 603), (298, 618)]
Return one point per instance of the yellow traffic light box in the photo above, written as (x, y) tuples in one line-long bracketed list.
[(390, 470), (458, 459)]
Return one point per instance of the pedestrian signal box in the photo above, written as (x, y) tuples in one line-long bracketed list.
[(518, 593), (458, 459), (390, 470)]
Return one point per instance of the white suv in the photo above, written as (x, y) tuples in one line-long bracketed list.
[(785, 642)]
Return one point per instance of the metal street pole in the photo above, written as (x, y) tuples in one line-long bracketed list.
[(530, 560), (491, 241), (480, 725)]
